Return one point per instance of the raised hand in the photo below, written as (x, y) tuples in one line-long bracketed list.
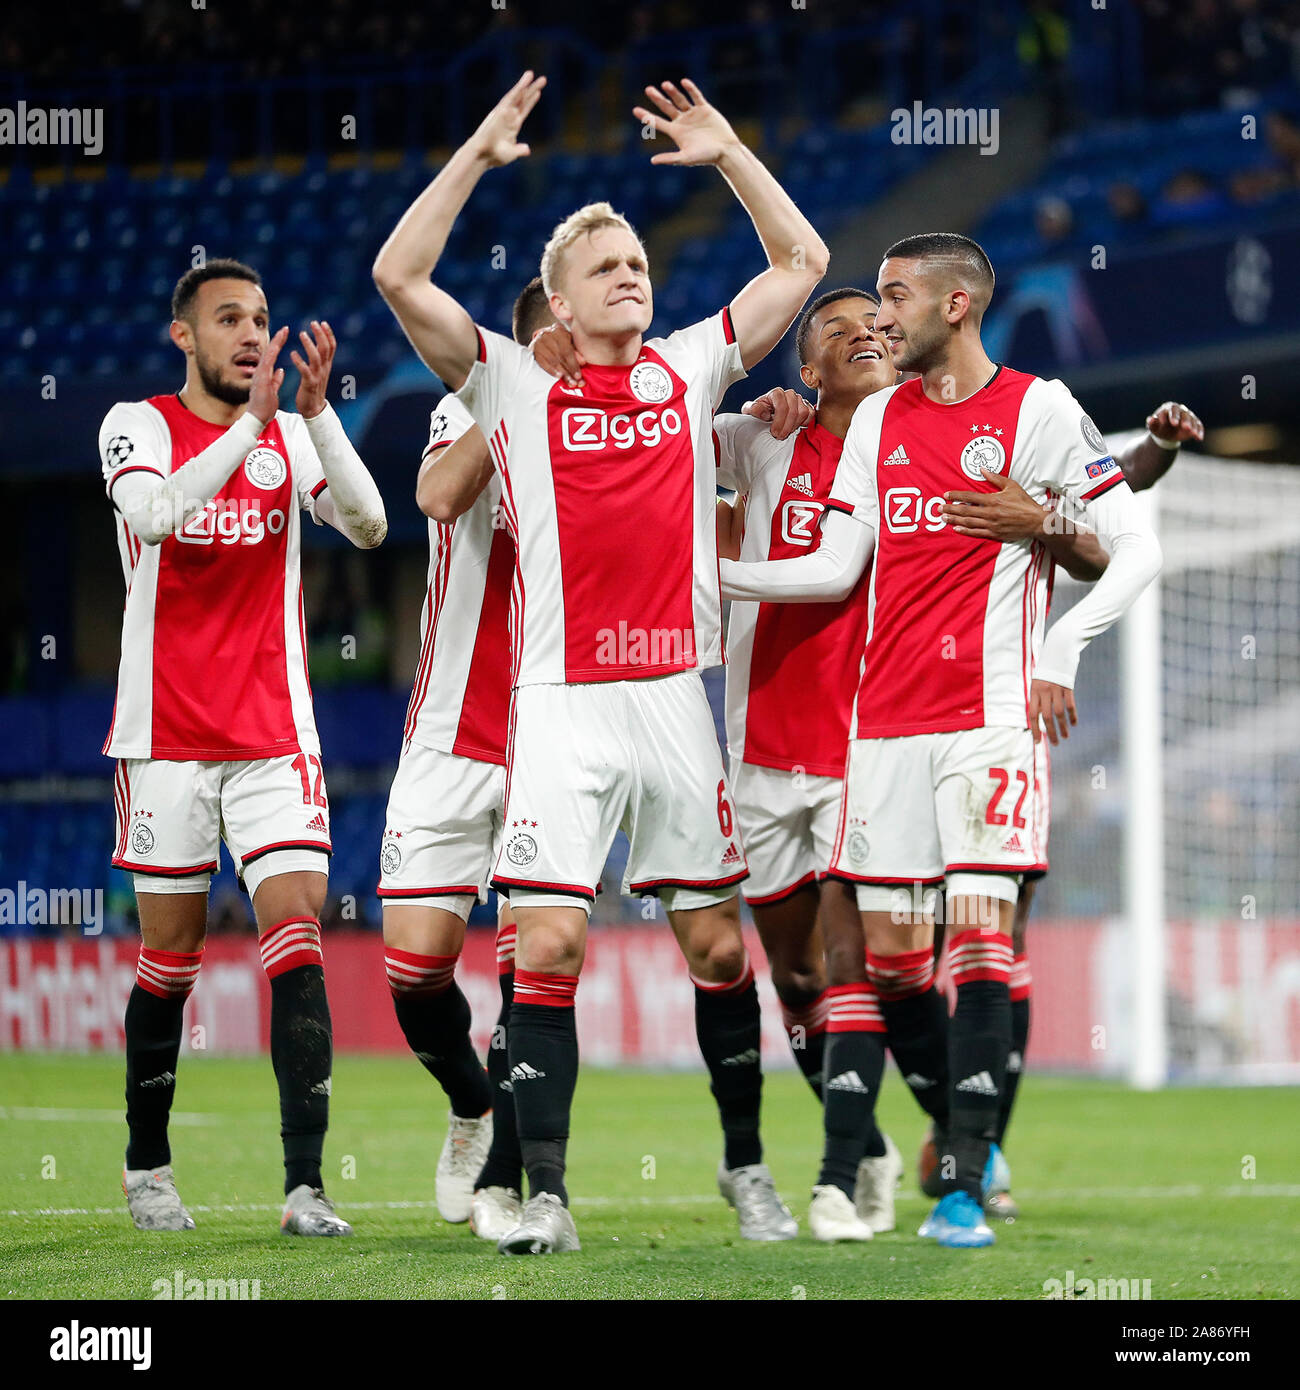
[(700, 131), (315, 371), (264, 389), (785, 411), (496, 141), (1174, 423)]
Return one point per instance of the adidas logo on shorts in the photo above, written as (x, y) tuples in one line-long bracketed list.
[(1012, 845), (318, 823), (524, 1072), (981, 1084), (731, 855)]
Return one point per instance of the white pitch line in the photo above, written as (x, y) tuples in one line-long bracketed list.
[(1186, 1193), (54, 1115)]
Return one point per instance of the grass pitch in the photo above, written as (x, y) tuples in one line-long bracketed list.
[(1196, 1190)]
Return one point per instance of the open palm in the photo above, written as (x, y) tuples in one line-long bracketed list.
[(700, 131), (497, 137)]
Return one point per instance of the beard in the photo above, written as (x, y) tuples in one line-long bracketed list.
[(228, 392), (924, 349)]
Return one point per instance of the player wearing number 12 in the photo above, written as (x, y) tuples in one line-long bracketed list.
[(213, 729)]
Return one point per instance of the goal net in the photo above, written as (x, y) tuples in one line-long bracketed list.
[(1203, 930)]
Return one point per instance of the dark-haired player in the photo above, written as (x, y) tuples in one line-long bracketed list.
[(443, 825), (791, 674), (213, 727), (939, 786), (1008, 513)]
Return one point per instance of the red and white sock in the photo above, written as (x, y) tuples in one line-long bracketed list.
[(411, 974), (811, 1019), (168, 974), (903, 975), (507, 935), (556, 991), (1022, 982), (742, 981), (853, 1008), (975, 954), (289, 944)]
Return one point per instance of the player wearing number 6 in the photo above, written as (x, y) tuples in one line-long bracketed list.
[(213, 728), (608, 488), (939, 785)]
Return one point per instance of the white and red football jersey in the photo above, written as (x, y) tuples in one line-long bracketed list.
[(608, 492), (460, 701), (214, 659), (792, 668), (956, 623)]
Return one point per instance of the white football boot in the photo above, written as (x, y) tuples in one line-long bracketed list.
[(878, 1180), (309, 1212), (545, 1228), (153, 1201), (832, 1216), (463, 1153), (494, 1212), (763, 1215)]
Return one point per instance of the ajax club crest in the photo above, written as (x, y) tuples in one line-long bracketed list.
[(650, 383), (265, 468), (983, 452)]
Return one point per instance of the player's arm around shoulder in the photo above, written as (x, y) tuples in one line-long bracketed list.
[(457, 464)]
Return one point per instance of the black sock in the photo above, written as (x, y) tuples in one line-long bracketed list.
[(302, 1053), (503, 1166), (855, 1063), (804, 1021), (916, 1031), (437, 1028), (542, 1046), (153, 1044), (728, 1027), (979, 1040), (1015, 1063)]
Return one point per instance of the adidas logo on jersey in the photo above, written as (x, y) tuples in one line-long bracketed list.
[(731, 855), (803, 483), (847, 1081), (317, 822), (1012, 844), (747, 1058), (981, 1084), (524, 1072), (897, 458)]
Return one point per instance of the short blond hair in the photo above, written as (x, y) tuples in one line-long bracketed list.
[(579, 224)]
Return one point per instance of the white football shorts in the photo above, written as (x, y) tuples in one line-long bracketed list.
[(642, 755), (272, 813), (789, 820)]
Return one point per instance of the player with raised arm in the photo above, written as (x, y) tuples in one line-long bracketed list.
[(213, 727), (608, 489), (443, 824), (939, 785), (1008, 513), (791, 676)]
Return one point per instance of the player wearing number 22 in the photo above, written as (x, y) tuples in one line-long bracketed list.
[(939, 785), (213, 728)]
